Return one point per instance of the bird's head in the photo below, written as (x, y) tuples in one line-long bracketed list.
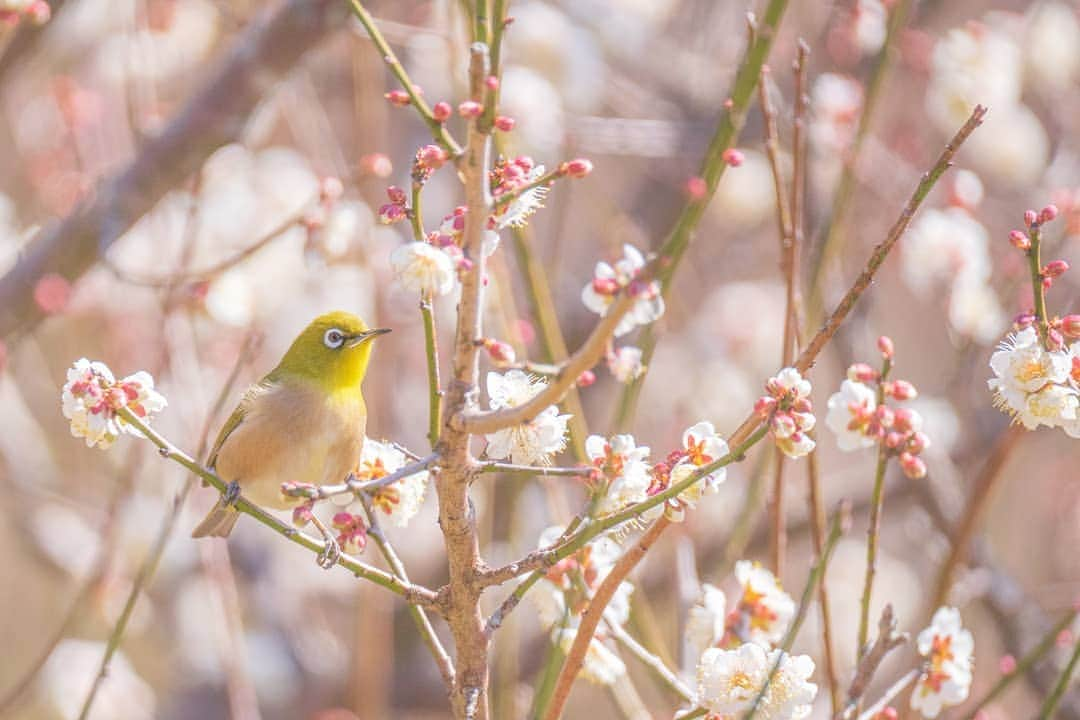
[(334, 351)]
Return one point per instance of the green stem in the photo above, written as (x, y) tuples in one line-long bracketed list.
[(438, 130), (1047, 710), (1047, 642), (431, 349), (416, 217), (1037, 289), (876, 502), (498, 25), (712, 168)]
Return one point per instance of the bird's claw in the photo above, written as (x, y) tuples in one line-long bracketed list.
[(330, 553), (232, 493)]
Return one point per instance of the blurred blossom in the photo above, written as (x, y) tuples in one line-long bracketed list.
[(161, 51), (764, 610), (70, 671), (746, 196), (705, 620), (602, 666), (869, 25), (975, 311), (347, 225), (837, 102), (1012, 146), (528, 96), (230, 298), (1052, 46), (51, 520)]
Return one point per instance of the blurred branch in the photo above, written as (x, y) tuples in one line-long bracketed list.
[(893, 690), (887, 641), (1054, 698), (213, 117), (649, 660)]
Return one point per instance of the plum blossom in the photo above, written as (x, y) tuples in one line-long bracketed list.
[(948, 648), (423, 268), (764, 609), (788, 410), (705, 620), (352, 532), (399, 501), (729, 681), (91, 399), (621, 466), (534, 441), (851, 410), (609, 280), (701, 445), (508, 176), (625, 364), (1033, 384)]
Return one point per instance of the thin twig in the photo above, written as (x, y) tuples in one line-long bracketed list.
[(355, 486), (872, 535), (431, 351), (816, 513), (649, 660), (895, 689), (1050, 705), (887, 641), (548, 471)]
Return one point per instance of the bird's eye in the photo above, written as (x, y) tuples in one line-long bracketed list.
[(333, 338)]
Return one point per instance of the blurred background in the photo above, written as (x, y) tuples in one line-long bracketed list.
[(634, 85)]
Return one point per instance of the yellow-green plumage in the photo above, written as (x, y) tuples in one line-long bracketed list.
[(304, 422)]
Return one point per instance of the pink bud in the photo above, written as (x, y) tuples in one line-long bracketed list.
[(1019, 240), (396, 195), (504, 123), (885, 416), (1064, 638), (902, 419), (39, 12), (764, 406), (1070, 325), (1007, 665), (586, 379), (888, 713), (432, 156), (391, 213), (728, 103), (492, 82), (377, 164), (52, 293), (576, 168), (918, 442), (301, 515), (1047, 214), (912, 466), (442, 111), (696, 188), (894, 440), (1055, 268), (1047, 283), (783, 425), (902, 390), (802, 405), (605, 286), (1030, 217), (885, 345), (1023, 319), (861, 372), (398, 97), (470, 109), (499, 351), (733, 157)]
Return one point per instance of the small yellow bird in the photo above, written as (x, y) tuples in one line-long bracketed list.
[(304, 422)]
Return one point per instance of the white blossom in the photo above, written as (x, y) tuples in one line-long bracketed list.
[(729, 681), (424, 268), (399, 501), (91, 398), (1032, 383), (625, 364), (531, 442), (624, 469), (766, 609), (948, 648), (518, 211), (705, 620), (850, 410), (608, 280), (870, 26)]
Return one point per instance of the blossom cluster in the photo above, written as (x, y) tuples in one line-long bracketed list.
[(610, 280), (510, 177), (399, 501), (531, 442), (737, 650), (787, 409), (946, 677), (92, 398), (701, 446), (860, 418)]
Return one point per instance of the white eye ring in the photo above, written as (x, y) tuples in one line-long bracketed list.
[(333, 338)]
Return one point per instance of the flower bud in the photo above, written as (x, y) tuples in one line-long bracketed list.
[(912, 466), (1007, 664), (1019, 240), (442, 111), (398, 97), (500, 352), (1030, 217), (605, 286), (377, 164), (885, 416), (861, 372), (504, 123), (918, 442), (470, 109), (733, 157), (1047, 214), (586, 379), (1055, 268), (696, 188), (903, 418), (492, 82), (391, 213), (764, 406), (802, 405), (902, 390), (893, 440), (1054, 339), (885, 345), (783, 425), (301, 515), (576, 168), (396, 195), (1070, 326)]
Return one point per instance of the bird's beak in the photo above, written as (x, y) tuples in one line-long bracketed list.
[(363, 337)]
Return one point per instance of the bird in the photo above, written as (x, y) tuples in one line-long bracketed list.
[(303, 422)]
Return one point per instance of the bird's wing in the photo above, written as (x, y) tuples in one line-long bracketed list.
[(236, 418)]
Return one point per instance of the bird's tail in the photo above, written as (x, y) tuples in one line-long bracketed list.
[(218, 522)]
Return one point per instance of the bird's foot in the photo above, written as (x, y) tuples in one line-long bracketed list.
[(330, 553), (232, 494)]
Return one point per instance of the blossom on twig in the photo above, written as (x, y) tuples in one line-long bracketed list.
[(729, 681), (531, 442), (620, 469), (948, 648), (91, 398), (399, 501), (788, 411), (609, 280)]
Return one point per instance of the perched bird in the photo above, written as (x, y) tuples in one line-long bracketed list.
[(304, 422)]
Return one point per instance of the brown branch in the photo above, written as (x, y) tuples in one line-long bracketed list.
[(214, 116), (575, 659), (887, 641)]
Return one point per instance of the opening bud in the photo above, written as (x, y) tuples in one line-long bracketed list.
[(396, 195), (902, 390), (398, 97), (1070, 326), (885, 345), (1030, 218), (912, 466), (861, 372), (576, 168), (1055, 268), (470, 109), (1019, 240), (1047, 214), (586, 379), (504, 123)]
